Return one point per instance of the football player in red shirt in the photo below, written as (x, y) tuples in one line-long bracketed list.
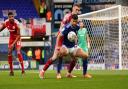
[(14, 41), (66, 20)]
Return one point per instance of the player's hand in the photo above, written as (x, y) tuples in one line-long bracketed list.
[(58, 48)]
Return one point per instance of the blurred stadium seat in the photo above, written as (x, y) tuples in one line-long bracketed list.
[(22, 8)]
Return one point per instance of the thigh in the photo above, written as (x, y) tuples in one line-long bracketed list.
[(64, 51), (73, 58), (10, 49), (73, 50), (18, 45), (55, 54), (81, 53)]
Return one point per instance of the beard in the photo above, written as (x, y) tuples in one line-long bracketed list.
[(11, 21)]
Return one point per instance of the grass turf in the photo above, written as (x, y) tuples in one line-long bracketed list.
[(100, 80)]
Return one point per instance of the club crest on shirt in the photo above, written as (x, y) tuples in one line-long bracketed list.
[(13, 27)]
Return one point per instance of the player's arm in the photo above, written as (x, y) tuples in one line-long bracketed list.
[(58, 40), (64, 21), (2, 27), (17, 36), (88, 41)]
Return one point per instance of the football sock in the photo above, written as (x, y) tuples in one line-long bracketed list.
[(48, 63), (10, 63), (85, 65), (59, 64), (21, 61), (71, 65)]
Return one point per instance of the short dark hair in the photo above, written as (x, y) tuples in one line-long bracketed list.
[(10, 13), (76, 4), (75, 16)]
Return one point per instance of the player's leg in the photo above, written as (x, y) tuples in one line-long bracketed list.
[(10, 60), (48, 63), (18, 48), (85, 62), (59, 67), (59, 64), (80, 61), (81, 53), (78, 52), (57, 53), (64, 51), (85, 66), (84, 55), (71, 66)]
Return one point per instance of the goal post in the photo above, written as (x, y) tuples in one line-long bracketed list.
[(108, 32)]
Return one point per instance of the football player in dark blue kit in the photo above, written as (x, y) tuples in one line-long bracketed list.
[(68, 47)]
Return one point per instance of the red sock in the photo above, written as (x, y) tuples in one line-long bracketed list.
[(21, 61), (48, 63), (71, 65), (10, 62)]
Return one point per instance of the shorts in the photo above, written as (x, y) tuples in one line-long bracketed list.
[(17, 45), (72, 50)]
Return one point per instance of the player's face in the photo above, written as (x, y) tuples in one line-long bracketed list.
[(76, 10), (74, 22), (11, 18), (81, 24)]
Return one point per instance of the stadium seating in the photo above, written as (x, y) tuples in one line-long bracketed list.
[(24, 8)]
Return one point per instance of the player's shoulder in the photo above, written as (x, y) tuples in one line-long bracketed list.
[(78, 26), (16, 21), (85, 29), (68, 26), (6, 20), (68, 15)]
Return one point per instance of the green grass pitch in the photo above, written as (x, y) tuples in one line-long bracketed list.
[(101, 80)]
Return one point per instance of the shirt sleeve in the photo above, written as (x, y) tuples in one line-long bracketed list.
[(17, 22), (78, 27), (64, 31), (65, 19)]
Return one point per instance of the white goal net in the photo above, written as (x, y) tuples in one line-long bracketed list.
[(108, 32)]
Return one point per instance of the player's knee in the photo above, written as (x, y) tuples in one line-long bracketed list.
[(9, 53), (63, 51), (9, 58), (18, 52), (53, 58), (85, 55)]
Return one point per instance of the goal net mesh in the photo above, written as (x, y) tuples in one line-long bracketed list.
[(108, 32)]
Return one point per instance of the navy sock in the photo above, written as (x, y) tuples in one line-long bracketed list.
[(59, 64), (85, 65)]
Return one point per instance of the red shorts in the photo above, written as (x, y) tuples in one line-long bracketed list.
[(17, 45)]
